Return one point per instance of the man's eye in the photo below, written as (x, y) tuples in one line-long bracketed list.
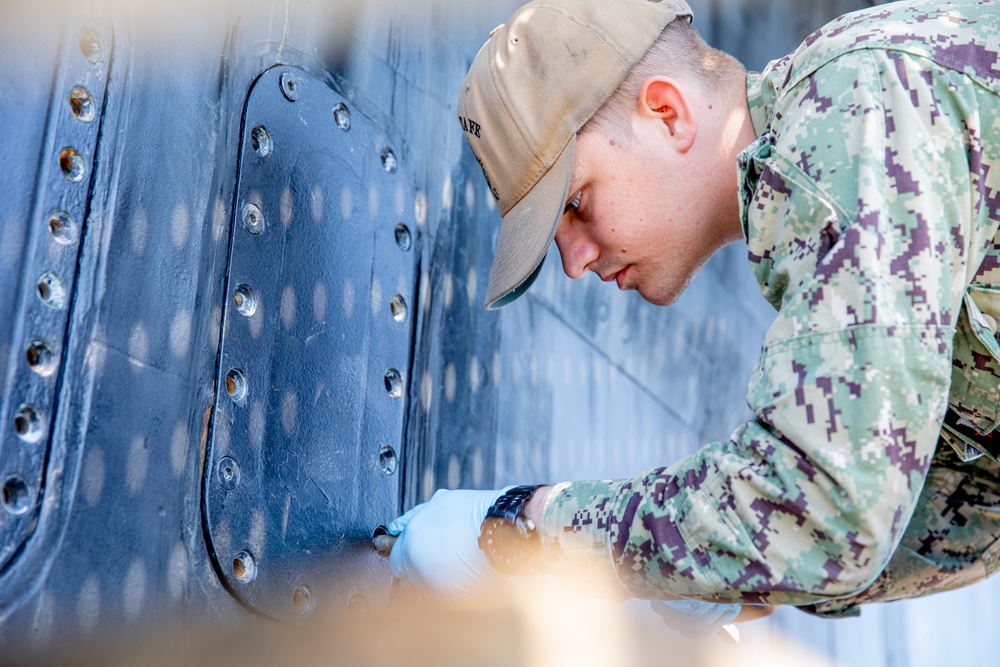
[(574, 203)]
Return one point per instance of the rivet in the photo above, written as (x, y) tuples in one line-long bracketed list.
[(357, 605), (393, 383), (92, 45), (82, 104), (388, 160), (403, 238), (342, 116), (236, 385), (245, 300), (253, 219), (16, 495), (302, 600), (62, 227), (28, 424), (72, 165), (244, 567), (260, 140), (387, 459), (40, 357), (289, 86), (398, 308), (229, 473), (51, 291)]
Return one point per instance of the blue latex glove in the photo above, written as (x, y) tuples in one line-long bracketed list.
[(437, 548), (693, 618)]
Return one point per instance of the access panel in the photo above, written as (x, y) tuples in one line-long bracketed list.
[(315, 354)]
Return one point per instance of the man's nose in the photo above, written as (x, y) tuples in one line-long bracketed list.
[(577, 250)]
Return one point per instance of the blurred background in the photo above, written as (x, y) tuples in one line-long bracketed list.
[(243, 254)]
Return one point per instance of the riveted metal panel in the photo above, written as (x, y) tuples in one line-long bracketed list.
[(315, 354), (35, 321)]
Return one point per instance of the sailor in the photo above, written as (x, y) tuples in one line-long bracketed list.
[(863, 171)]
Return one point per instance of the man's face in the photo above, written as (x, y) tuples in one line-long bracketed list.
[(651, 212)]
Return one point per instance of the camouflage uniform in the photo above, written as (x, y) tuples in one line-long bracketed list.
[(870, 204)]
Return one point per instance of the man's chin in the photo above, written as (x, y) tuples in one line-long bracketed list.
[(663, 295), (660, 299)]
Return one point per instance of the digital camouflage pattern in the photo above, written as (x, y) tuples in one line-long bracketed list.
[(870, 203)]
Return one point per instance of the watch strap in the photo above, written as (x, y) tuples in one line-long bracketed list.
[(511, 504)]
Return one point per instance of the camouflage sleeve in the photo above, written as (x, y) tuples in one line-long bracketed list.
[(953, 539), (860, 231)]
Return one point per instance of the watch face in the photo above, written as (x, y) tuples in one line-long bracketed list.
[(508, 538), (505, 543)]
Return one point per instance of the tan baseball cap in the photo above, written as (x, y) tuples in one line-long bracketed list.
[(533, 85)]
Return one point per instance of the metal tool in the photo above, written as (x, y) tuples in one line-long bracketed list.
[(383, 541)]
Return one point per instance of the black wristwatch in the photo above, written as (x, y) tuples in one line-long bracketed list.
[(509, 539)]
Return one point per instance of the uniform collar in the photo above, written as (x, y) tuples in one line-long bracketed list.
[(761, 95), (760, 107)]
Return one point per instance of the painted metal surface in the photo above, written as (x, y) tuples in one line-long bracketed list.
[(315, 353), (54, 201), (128, 485)]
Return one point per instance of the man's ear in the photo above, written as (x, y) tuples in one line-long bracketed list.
[(664, 100)]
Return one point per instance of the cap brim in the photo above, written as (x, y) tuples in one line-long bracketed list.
[(527, 231)]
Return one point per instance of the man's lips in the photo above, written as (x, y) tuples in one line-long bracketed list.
[(618, 277)]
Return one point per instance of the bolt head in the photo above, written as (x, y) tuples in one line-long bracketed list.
[(403, 237), (342, 116), (28, 424), (289, 86), (82, 105), (244, 567), (62, 227), (72, 165), (41, 358), (387, 460), (389, 161), (302, 600), (92, 45), (357, 605), (253, 219), (260, 141), (229, 473), (16, 495)]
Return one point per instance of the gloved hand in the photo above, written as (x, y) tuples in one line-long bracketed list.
[(437, 548), (693, 618)]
